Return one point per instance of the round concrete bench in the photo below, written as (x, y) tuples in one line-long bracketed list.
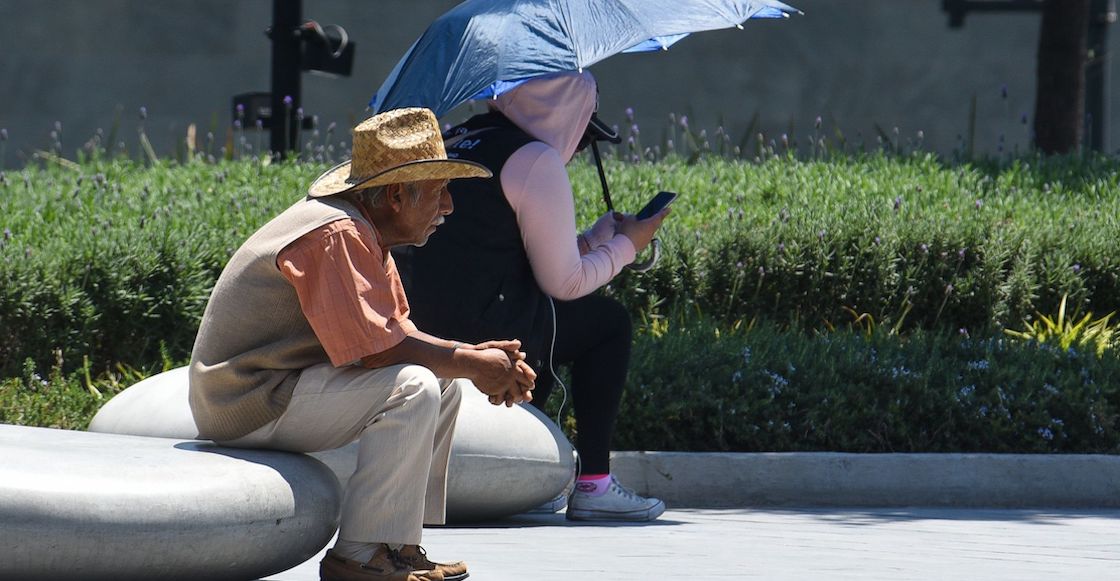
[(504, 461), (76, 505)]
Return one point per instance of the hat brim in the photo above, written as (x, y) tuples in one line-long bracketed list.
[(337, 180)]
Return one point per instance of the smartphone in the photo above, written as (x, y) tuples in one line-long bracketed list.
[(655, 205)]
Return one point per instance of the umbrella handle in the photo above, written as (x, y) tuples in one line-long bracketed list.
[(648, 263), (602, 175)]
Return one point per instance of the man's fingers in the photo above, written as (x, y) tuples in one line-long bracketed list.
[(503, 344), (526, 370)]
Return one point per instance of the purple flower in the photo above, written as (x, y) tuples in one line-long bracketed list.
[(7, 234), (240, 109), (1076, 268), (299, 113), (634, 129), (962, 330), (897, 203), (961, 253), (817, 123), (949, 288), (3, 134), (924, 248), (877, 241), (260, 124), (237, 124), (630, 114), (143, 113), (288, 100), (781, 247), (820, 235), (739, 265), (761, 271), (684, 121), (979, 204)]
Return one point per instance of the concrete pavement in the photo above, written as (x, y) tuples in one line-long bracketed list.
[(955, 534), (793, 544)]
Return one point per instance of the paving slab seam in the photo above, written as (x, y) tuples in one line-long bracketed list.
[(832, 479)]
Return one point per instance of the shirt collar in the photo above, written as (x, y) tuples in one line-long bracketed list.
[(376, 234)]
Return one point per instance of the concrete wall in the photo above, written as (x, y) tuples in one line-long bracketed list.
[(856, 63)]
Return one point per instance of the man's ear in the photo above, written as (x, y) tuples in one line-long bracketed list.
[(394, 195)]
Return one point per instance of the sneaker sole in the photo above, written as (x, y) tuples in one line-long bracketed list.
[(644, 515)]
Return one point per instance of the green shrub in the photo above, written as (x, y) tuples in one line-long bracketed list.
[(58, 400), (975, 247), (694, 388), (114, 260)]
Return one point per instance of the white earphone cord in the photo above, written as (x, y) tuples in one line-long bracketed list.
[(552, 370)]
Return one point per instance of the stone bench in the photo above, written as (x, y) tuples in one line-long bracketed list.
[(79, 505), (504, 461)]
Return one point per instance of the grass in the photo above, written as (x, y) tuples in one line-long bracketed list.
[(106, 264)]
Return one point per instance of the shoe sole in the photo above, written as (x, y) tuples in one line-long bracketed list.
[(644, 515)]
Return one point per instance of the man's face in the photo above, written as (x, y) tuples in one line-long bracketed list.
[(419, 221)]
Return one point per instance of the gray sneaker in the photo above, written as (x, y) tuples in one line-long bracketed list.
[(618, 504)]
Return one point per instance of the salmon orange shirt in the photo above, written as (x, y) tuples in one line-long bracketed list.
[(348, 289)]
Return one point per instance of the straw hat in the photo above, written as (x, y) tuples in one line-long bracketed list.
[(397, 146)]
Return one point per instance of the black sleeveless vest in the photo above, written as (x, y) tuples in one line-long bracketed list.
[(472, 281)]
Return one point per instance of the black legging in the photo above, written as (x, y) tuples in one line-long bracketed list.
[(593, 336)]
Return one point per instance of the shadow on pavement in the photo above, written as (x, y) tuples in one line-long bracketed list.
[(863, 516), (526, 521)]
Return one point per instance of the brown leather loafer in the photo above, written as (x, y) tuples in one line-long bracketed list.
[(383, 566), (416, 557)]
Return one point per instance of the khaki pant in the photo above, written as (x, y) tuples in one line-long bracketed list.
[(403, 418)]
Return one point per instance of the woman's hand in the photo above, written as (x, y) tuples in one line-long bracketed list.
[(641, 232)]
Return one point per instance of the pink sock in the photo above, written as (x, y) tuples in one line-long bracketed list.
[(593, 484)]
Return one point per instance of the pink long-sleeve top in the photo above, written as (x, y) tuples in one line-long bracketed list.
[(555, 110)]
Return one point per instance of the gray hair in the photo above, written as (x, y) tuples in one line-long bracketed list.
[(374, 197)]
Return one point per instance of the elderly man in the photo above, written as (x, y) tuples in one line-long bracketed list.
[(306, 345)]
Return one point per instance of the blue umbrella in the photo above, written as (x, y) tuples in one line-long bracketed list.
[(482, 48)]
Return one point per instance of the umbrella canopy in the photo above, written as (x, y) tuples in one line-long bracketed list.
[(482, 48)]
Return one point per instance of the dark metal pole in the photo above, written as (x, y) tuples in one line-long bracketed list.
[(287, 16), (1098, 115)]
